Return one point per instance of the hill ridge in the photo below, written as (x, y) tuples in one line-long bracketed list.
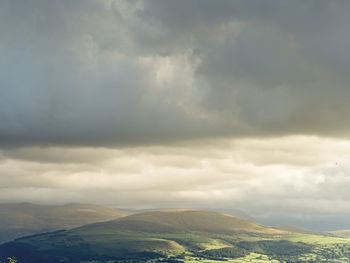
[(185, 220)]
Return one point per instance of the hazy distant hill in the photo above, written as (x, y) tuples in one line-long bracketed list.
[(341, 233), (17, 220), (295, 229)]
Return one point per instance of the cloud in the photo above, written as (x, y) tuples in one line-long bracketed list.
[(111, 73), (268, 178)]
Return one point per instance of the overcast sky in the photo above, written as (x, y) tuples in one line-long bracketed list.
[(186, 103)]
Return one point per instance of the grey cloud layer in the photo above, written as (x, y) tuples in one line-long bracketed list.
[(129, 72), (278, 181)]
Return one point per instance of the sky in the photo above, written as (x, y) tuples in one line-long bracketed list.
[(178, 104)]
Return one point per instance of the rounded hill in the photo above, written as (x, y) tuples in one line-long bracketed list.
[(185, 221)]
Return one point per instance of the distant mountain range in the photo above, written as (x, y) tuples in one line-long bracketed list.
[(178, 236), (18, 220)]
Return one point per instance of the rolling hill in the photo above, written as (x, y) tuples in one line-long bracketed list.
[(173, 221), (17, 220), (177, 235)]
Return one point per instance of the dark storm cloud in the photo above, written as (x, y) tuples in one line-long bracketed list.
[(130, 72)]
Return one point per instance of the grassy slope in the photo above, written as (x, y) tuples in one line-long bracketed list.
[(17, 220)]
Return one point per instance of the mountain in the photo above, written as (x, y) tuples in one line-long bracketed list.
[(177, 235), (228, 211), (171, 221), (17, 220)]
